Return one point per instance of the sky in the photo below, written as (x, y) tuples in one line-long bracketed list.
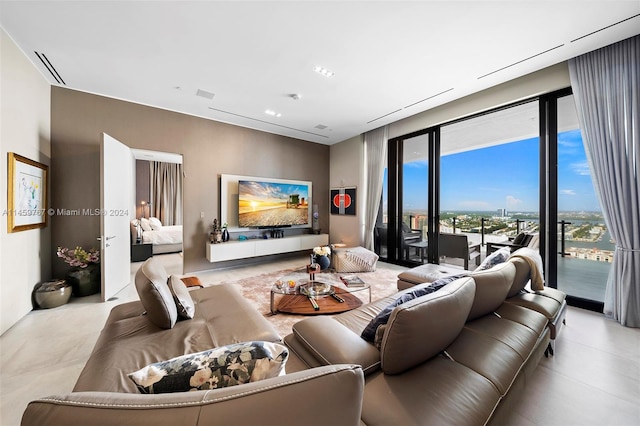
[(504, 176)]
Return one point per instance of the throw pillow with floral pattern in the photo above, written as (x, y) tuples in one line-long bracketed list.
[(214, 368)]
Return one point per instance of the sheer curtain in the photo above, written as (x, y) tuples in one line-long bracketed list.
[(375, 154), (166, 192), (606, 87)]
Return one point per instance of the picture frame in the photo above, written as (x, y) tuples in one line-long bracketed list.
[(27, 186), (343, 201)]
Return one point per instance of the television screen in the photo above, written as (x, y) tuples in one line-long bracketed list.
[(266, 204)]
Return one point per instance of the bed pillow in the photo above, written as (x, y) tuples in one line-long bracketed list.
[(229, 365), (155, 223), (184, 303), (144, 223)]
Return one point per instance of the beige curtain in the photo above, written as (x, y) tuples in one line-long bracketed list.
[(375, 158), (166, 192)]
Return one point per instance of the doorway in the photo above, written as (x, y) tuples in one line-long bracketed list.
[(158, 209)]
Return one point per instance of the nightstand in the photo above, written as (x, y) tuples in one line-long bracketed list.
[(141, 252)]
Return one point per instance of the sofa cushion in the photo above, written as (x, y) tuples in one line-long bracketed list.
[(523, 274), (421, 328), (182, 297), (151, 284), (492, 286), (215, 368), (382, 318)]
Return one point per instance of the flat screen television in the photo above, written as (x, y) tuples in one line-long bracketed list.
[(273, 204)]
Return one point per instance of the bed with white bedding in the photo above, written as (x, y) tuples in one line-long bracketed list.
[(164, 238)]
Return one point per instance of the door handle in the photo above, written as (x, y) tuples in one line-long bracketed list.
[(109, 238)]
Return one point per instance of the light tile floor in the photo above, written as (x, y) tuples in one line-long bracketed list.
[(594, 378)]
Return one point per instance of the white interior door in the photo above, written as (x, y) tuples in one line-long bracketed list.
[(116, 182)]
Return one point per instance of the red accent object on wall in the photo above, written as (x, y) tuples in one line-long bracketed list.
[(342, 198)]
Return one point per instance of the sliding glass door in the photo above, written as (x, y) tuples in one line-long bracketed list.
[(489, 177), (414, 207), (585, 249)]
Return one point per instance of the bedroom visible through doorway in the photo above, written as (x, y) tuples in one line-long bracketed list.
[(158, 205)]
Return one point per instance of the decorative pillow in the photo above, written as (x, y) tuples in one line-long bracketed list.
[(184, 302), (369, 332), (155, 223), (215, 368), (192, 282), (495, 258), (146, 225)]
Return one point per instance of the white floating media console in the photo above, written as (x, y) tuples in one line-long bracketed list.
[(232, 250)]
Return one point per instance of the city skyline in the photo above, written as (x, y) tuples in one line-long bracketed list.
[(504, 177)]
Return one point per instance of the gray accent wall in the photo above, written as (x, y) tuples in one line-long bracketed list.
[(209, 149)]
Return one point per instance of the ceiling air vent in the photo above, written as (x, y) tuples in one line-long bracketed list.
[(205, 94), (604, 28), (521, 61), (49, 66)]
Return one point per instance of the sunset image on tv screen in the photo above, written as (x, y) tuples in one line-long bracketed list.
[(264, 204)]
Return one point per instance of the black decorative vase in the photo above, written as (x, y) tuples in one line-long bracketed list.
[(225, 235), (84, 281)]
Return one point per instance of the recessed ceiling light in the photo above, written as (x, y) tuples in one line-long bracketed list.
[(324, 71), (272, 113)]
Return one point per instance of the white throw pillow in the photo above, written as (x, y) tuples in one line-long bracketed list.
[(155, 223), (184, 302)]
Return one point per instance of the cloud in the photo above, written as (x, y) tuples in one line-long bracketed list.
[(581, 168), (567, 192), (513, 202)]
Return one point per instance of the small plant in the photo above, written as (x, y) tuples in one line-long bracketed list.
[(322, 251), (79, 257)]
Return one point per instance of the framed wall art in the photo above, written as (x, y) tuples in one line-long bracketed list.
[(27, 194), (343, 201)]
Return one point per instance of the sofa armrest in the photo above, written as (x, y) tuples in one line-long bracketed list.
[(332, 343), (290, 399)]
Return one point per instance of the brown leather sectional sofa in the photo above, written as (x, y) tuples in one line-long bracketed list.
[(459, 356), (104, 395)]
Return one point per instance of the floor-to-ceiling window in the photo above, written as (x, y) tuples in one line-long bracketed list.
[(402, 227), (519, 168), (414, 207), (489, 175), (585, 248)]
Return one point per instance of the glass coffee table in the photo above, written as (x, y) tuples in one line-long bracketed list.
[(296, 293)]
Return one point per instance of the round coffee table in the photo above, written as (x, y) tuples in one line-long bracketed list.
[(326, 294)]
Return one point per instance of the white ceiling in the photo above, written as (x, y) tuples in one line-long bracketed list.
[(391, 59)]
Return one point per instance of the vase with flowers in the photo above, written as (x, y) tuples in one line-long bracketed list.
[(321, 256), (84, 275)]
